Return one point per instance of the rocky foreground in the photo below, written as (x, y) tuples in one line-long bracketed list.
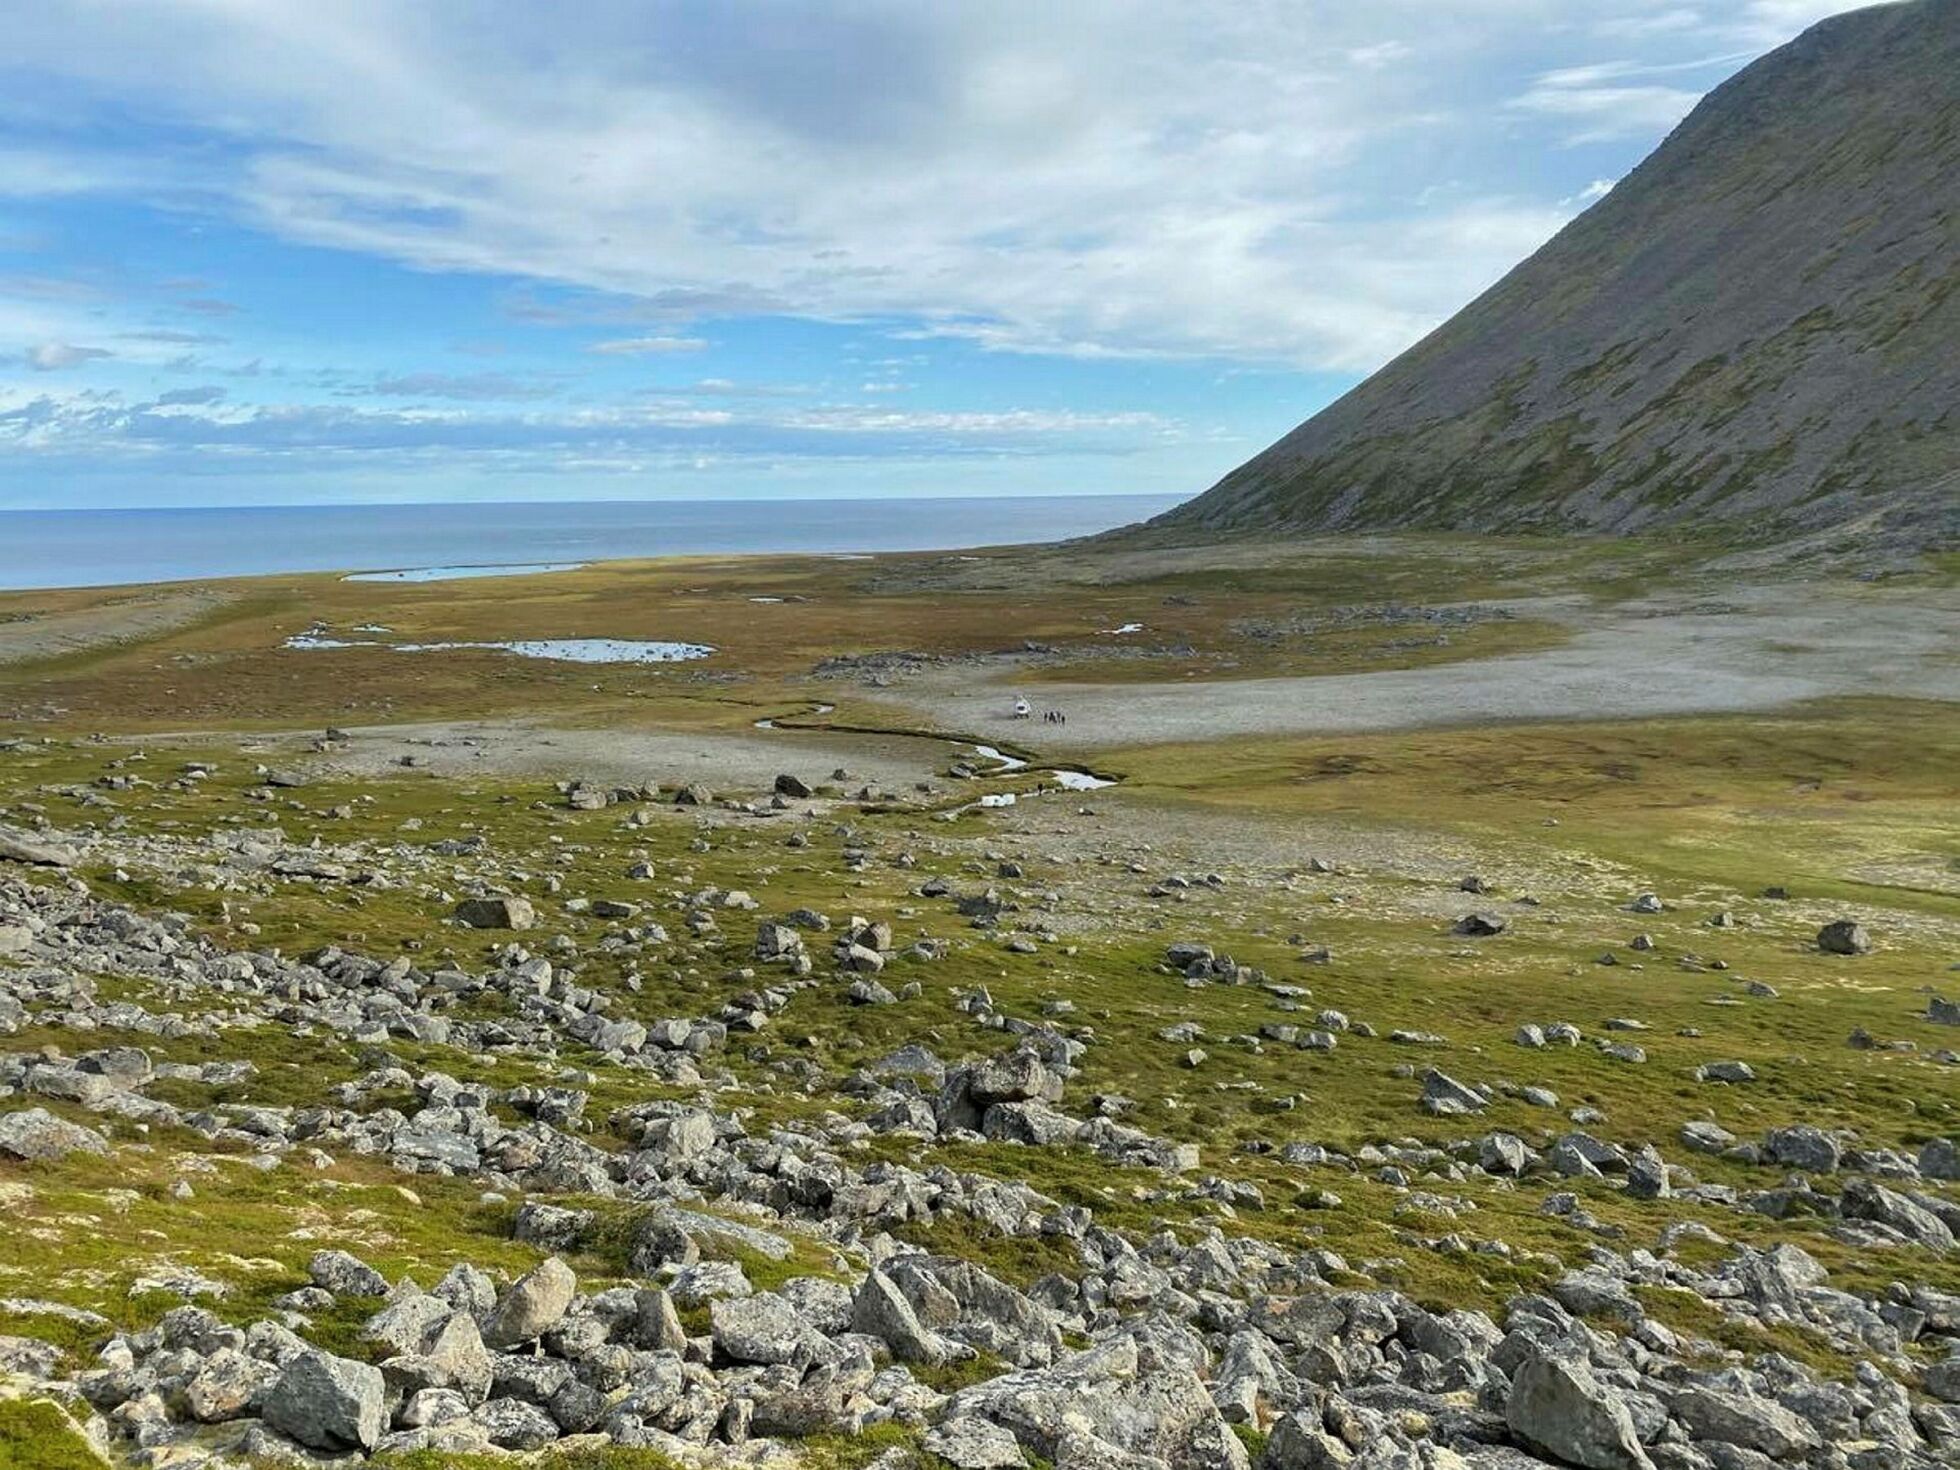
[(768, 1291)]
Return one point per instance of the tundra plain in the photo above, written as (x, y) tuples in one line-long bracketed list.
[(1411, 957)]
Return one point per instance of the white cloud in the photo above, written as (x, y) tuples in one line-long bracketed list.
[(1102, 177), (1610, 112), (648, 346), (204, 427), (49, 357), (1772, 22)]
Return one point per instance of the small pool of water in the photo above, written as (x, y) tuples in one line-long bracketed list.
[(1080, 781), (451, 574), (565, 650), (1002, 763)]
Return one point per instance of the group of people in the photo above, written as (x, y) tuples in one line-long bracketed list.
[(1023, 711)]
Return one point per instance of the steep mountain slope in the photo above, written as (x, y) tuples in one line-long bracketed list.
[(1759, 328)]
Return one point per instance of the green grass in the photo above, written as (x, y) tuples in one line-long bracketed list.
[(36, 1435), (1852, 807)]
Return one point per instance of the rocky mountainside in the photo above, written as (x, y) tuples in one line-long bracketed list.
[(1755, 330)]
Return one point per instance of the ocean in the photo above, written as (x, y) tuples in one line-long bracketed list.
[(96, 548)]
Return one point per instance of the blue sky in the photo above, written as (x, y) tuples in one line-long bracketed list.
[(265, 251)]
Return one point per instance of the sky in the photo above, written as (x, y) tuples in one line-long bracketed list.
[(283, 252)]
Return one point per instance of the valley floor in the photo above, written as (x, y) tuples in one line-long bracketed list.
[(1438, 1047)]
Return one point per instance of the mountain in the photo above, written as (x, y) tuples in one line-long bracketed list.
[(1757, 331)]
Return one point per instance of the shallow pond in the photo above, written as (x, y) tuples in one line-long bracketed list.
[(451, 574), (564, 650)]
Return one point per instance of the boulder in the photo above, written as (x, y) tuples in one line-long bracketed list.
[(533, 1304), (345, 1275), (1801, 1146), (512, 1424), (1844, 936), (1865, 1200), (1443, 1095), (1745, 1419), (1557, 1408), (764, 1328), (229, 1386), (328, 1403), (880, 1310), (1098, 1400), (497, 913), (17, 847), (975, 1444), (38, 1136)]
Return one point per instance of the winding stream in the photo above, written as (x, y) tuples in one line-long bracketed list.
[(1003, 764)]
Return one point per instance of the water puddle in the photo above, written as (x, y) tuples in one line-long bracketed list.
[(999, 764), (1067, 780), (1080, 781), (452, 574), (562, 650)]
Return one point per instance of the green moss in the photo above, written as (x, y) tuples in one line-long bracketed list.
[(1253, 1439), (36, 1435)]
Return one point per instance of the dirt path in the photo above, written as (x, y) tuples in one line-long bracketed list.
[(1759, 649), (126, 620)]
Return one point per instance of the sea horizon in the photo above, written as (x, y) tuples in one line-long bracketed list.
[(106, 547)]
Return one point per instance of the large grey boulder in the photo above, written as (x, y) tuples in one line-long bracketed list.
[(1557, 1408), (345, 1275), (328, 1403), (1801, 1146), (1844, 936), (1443, 1095), (1939, 1159), (1864, 1200), (1016, 1076), (36, 1135), (975, 1444), (1748, 1420), (497, 913), (17, 847), (512, 1424), (407, 1322), (533, 1304), (766, 1329), (448, 1354), (880, 1310), (1164, 1414), (777, 942), (229, 1386)]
